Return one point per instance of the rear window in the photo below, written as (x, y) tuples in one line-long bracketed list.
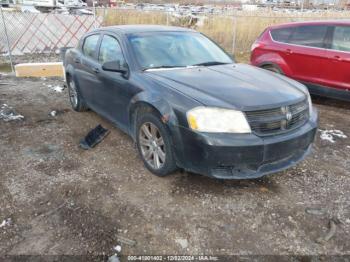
[(309, 36), (301, 35), (341, 38), (282, 34)]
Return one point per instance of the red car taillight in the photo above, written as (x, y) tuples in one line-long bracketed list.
[(256, 44)]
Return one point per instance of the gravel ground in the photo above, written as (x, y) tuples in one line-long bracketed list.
[(63, 200)]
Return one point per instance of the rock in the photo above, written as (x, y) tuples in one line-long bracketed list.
[(264, 189), (315, 211)]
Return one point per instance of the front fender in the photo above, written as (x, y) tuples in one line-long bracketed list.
[(159, 104), (69, 70), (169, 116)]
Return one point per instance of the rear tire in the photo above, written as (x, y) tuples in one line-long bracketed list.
[(272, 68), (75, 97), (154, 144)]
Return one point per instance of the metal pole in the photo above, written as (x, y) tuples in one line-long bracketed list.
[(7, 40), (234, 34), (93, 6)]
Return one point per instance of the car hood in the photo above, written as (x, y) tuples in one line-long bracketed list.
[(237, 86)]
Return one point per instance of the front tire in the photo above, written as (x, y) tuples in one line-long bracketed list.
[(75, 97), (272, 68), (154, 144)]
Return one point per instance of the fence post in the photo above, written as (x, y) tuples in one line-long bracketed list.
[(7, 40), (94, 9), (234, 24)]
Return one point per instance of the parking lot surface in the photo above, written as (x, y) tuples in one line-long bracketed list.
[(64, 200)]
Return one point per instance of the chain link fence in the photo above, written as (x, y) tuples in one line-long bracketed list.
[(40, 33), (45, 33)]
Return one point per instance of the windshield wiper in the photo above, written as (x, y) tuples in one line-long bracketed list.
[(211, 63), (163, 66)]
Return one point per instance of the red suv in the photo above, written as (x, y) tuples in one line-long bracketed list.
[(314, 53)]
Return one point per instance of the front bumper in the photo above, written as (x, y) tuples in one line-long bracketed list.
[(243, 156)]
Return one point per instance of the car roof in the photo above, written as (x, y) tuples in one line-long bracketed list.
[(127, 29), (318, 22)]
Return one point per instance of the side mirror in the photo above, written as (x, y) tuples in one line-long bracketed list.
[(114, 66)]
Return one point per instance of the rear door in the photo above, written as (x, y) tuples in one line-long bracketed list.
[(306, 54), (87, 75), (338, 70)]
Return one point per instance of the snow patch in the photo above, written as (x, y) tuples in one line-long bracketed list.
[(330, 135)]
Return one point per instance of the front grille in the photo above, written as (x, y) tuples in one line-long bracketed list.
[(278, 120)]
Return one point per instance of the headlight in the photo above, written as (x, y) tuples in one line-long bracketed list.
[(217, 120)]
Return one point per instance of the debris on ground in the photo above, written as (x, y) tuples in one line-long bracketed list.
[(57, 112), (126, 241), (113, 258), (315, 211), (58, 89), (329, 135), (7, 113), (331, 232), (6, 222), (117, 248), (182, 242), (94, 137)]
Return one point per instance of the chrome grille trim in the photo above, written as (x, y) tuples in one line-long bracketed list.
[(278, 120)]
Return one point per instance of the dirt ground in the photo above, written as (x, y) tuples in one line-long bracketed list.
[(64, 200)]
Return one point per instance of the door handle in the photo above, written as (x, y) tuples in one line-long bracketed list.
[(76, 60), (96, 70), (289, 51), (338, 58)]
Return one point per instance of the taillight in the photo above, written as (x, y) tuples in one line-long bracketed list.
[(256, 44)]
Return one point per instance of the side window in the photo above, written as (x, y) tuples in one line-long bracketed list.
[(110, 50), (309, 36), (90, 44), (282, 34), (341, 38)]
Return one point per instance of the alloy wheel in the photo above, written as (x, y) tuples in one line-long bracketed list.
[(152, 145), (73, 94)]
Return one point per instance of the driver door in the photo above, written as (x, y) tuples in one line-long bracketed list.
[(114, 91)]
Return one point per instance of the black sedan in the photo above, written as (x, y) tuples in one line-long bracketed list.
[(188, 105)]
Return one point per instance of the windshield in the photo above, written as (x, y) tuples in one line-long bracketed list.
[(176, 49)]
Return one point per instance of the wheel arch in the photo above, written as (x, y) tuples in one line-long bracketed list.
[(70, 74), (272, 64), (276, 60), (148, 103)]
